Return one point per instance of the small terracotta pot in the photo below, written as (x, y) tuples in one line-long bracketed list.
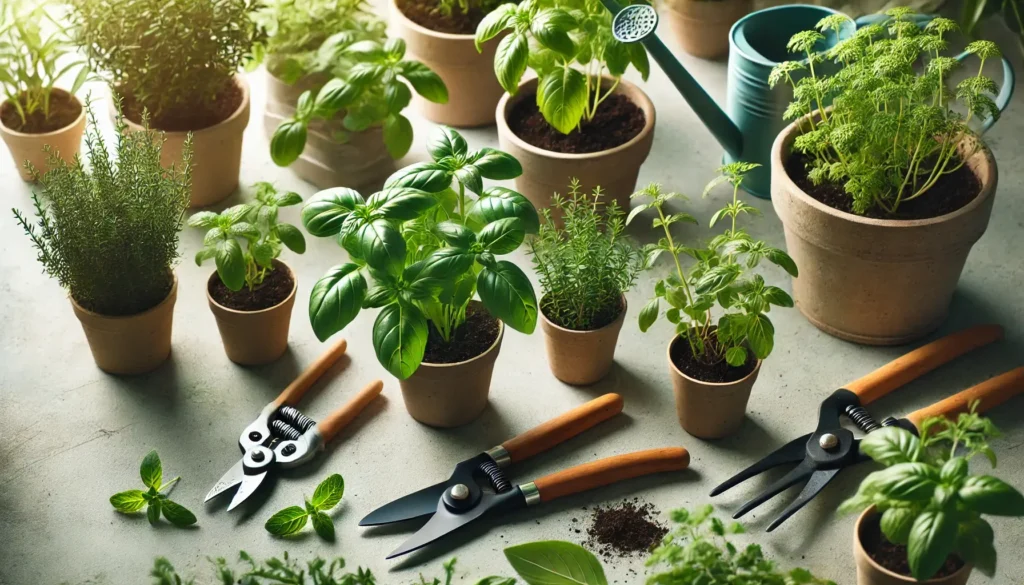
[(581, 357), (546, 172), (473, 89), (710, 410), (216, 153), (702, 26), (29, 147), (253, 338), (876, 281), (451, 395), (325, 162), (867, 533), (132, 344)]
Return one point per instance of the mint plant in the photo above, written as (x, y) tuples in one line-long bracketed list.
[(428, 248), (891, 132), (720, 276), (293, 519), (256, 225), (929, 500), (569, 44), (153, 499)]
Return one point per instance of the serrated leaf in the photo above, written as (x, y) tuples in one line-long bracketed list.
[(129, 501), (329, 492), (287, 521), (323, 525)]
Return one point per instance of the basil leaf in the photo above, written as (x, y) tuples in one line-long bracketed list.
[(496, 21), (430, 177), (398, 135), (562, 98), (649, 314), (379, 296), (336, 299), (896, 524), (446, 142), (203, 219), (891, 445), (263, 253), (555, 563), (782, 259), (380, 244), (402, 203), (498, 203), (616, 56), (426, 83), (325, 212), (638, 57), (129, 501), (776, 296), (230, 264), (336, 95), (397, 96), (400, 339), (510, 61), (395, 48), (455, 235), (291, 236), (288, 142), (446, 264), (508, 295), (502, 236), (991, 495), (550, 27), (974, 545), (329, 492), (717, 278), (151, 470), (908, 482), (736, 356), (153, 512), (760, 335), (496, 165), (177, 514), (931, 540), (324, 526), (287, 521), (469, 177)]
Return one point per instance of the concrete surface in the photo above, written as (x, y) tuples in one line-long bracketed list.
[(70, 435)]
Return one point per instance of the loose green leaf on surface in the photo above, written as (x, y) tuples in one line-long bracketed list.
[(555, 563), (293, 519), (153, 499)]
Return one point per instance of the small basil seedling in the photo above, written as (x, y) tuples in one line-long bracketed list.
[(153, 498)]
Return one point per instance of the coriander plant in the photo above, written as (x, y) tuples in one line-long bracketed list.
[(255, 224), (153, 499), (428, 248), (108, 232), (928, 498), (586, 266), (720, 276), (293, 519), (891, 132), (569, 44)]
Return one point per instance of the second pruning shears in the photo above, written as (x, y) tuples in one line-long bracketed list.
[(283, 437)]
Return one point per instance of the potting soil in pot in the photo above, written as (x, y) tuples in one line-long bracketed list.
[(64, 110), (630, 528), (219, 109), (719, 373), (469, 340), (426, 14), (618, 121), (275, 288), (894, 557)]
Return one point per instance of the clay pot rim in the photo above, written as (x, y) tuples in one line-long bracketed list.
[(872, 511), (420, 29), (643, 102), (618, 319), (81, 116), (491, 348), (788, 135), (220, 307), (672, 364), (243, 106), (170, 294)]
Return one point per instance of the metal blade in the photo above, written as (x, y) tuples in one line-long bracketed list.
[(819, 479), (795, 476), (248, 487), (441, 523), (792, 452), (414, 505), (227, 481)]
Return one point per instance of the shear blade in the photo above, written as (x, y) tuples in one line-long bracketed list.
[(232, 478), (819, 479), (248, 487), (408, 507), (795, 476), (441, 523), (792, 452)]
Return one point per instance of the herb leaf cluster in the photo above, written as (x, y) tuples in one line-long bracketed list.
[(293, 519), (153, 499)]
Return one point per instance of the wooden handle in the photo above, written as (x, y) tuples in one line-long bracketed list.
[(294, 392), (922, 360), (610, 470), (992, 392), (339, 419), (561, 429)]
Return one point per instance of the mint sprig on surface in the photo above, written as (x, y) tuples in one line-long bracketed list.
[(293, 519), (153, 498)]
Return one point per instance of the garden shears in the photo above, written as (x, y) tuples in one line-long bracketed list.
[(283, 437)]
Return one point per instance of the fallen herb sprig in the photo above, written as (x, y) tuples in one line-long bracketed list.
[(154, 500), (293, 519)]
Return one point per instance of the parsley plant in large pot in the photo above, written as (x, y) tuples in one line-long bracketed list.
[(883, 194)]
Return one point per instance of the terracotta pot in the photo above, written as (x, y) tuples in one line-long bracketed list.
[(581, 357), (451, 395), (29, 147), (867, 533), (710, 410), (253, 338), (876, 281), (473, 89), (546, 172), (216, 153), (325, 162), (702, 26), (131, 344)]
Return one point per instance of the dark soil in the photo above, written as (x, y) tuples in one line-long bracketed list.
[(894, 557), (275, 288), (64, 110), (624, 530), (719, 373), (602, 319), (216, 111), (618, 121), (426, 14), (470, 339), (950, 192)]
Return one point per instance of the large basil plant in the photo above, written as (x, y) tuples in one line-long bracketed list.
[(422, 247)]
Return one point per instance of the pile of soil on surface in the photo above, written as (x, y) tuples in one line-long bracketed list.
[(275, 288), (627, 529), (470, 339), (894, 557), (427, 14), (64, 110), (720, 372), (950, 192), (618, 121), (220, 108)]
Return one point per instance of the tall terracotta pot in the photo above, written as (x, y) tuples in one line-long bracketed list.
[(866, 533), (253, 338), (581, 357), (876, 281), (702, 26), (546, 173), (710, 410), (66, 142), (216, 153), (131, 344)]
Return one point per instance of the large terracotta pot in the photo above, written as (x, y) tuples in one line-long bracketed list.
[(66, 142), (581, 357), (866, 533), (131, 344), (473, 89), (451, 395), (876, 281), (546, 173), (710, 410), (702, 26), (253, 338), (361, 160), (216, 153)]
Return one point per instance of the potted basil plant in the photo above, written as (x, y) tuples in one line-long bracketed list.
[(420, 250)]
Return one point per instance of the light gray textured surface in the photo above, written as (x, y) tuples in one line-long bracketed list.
[(70, 435)]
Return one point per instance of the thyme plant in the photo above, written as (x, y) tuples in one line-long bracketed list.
[(586, 266), (891, 132), (108, 232)]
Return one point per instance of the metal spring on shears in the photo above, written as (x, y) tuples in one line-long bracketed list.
[(497, 477), (283, 430), (862, 418), (295, 418)]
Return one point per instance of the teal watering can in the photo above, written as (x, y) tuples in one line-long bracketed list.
[(753, 112)]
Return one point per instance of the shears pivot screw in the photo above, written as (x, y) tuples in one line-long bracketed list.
[(828, 441), (258, 456), (459, 492)]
